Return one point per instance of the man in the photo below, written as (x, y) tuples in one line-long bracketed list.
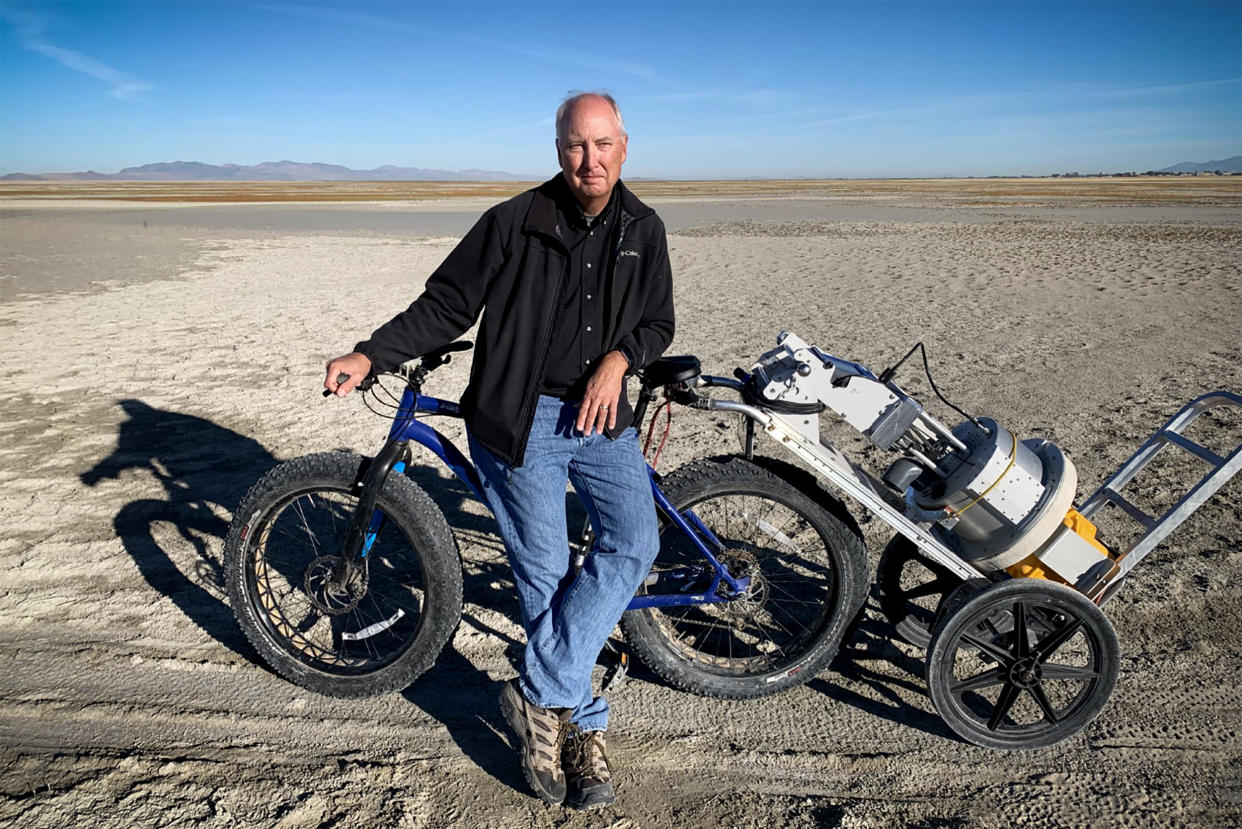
[(575, 290)]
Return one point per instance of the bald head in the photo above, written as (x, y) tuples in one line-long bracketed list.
[(565, 111)]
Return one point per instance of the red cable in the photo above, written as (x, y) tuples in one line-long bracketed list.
[(668, 423)]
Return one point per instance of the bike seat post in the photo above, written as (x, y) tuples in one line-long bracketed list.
[(645, 396)]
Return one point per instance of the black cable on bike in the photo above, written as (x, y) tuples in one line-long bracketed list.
[(372, 409), (888, 373), (396, 399)]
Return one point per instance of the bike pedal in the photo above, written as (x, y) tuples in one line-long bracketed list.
[(615, 673), (617, 667)]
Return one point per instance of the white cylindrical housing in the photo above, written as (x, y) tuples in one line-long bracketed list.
[(1008, 496)]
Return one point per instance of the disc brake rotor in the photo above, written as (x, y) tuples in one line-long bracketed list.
[(329, 594), (742, 565)]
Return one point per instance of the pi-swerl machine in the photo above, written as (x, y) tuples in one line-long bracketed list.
[(993, 568)]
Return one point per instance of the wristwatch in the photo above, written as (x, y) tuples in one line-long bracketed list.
[(629, 358)]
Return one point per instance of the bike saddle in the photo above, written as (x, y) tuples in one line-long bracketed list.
[(667, 370), (440, 356)]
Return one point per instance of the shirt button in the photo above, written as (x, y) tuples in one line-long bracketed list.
[(588, 264), (588, 362), (592, 233), (588, 296), (588, 328)]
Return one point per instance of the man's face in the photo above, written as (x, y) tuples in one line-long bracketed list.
[(591, 152)]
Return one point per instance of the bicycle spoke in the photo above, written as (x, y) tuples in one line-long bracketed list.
[(1003, 703), (314, 541), (1022, 642), (987, 679), (1046, 647), (932, 588), (1041, 699), (1054, 671), (792, 598), (997, 653)]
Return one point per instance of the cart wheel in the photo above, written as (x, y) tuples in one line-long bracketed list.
[(912, 586), (1022, 664)]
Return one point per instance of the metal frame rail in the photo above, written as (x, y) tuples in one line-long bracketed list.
[(850, 478), (1170, 435)]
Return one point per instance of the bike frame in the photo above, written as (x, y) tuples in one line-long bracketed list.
[(407, 428)]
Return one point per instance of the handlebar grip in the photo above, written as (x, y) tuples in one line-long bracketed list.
[(340, 378)]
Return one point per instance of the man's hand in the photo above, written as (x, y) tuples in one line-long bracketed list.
[(598, 408), (354, 364)]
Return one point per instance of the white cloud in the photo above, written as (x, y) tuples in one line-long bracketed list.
[(593, 62), (30, 30), (755, 97), (1161, 89), (338, 16)]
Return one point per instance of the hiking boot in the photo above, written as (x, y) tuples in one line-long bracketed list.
[(586, 769), (542, 732)]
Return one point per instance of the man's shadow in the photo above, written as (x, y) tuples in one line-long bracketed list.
[(204, 469)]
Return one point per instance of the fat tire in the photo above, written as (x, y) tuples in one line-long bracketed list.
[(798, 491), (416, 517)]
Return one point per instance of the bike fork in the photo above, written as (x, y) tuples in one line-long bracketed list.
[(363, 524)]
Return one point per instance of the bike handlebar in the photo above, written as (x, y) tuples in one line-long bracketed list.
[(366, 383), (430, 361)]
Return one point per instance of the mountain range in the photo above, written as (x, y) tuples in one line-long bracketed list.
[(1225, 165), (269, 171), (317, 171)]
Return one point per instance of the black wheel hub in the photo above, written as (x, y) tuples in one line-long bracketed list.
[(1026, 673), (333, 585)]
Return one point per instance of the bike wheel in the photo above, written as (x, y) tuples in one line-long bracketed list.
[(375, 633), (1021, 664), (808, 567), (912, 587)]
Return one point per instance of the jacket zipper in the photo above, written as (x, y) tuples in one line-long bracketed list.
[(626, 221), (528, 410)]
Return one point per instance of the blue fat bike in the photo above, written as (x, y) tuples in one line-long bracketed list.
[(345, 576)]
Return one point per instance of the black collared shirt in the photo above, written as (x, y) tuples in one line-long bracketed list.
[(577, 342)]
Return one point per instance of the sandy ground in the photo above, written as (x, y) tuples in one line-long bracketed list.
[(142, 402)]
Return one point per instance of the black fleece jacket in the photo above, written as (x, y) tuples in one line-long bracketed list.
[(512, 266)]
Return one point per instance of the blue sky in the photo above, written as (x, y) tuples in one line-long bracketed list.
[(708, 89)]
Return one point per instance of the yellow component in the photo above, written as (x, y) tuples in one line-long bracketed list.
[(1032, 568), (1084, 528)]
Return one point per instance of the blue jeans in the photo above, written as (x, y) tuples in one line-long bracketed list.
[(567, 620)]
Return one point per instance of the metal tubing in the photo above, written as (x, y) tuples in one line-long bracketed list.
[(940, 429), (697, 534), (758, 415), (444, 449), (1149, 450), (859, 485), (1170, 435)]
